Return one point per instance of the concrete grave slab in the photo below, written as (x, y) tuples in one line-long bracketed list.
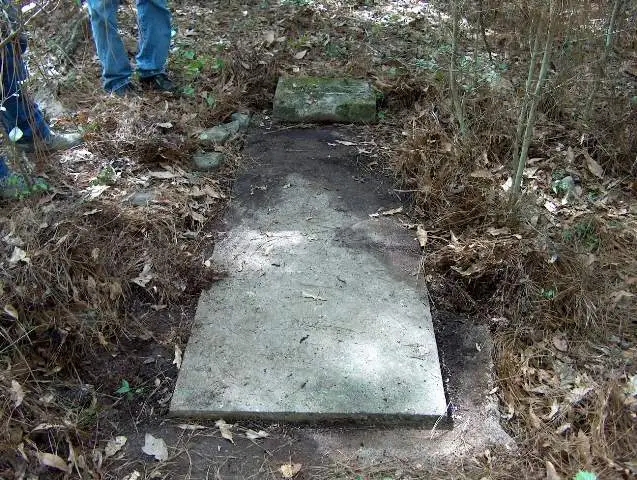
[(321, 317), (316, 99)]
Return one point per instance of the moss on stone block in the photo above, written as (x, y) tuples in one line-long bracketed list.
[(318, 99)]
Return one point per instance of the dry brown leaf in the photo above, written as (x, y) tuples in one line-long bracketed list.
[(53, 461), (190, 426), (155, 447), (498, 231), (554, 409), (114, 445), (178, 357), (162, 174), (583, 448), (11, 311), (551, 473), (225, 429), (252, 435), (269, 37), (289, 470), (17, 393), (144, 277), (393, 211), (619, 296), (421, 235), (198, 217), (594, 167), (300, 55), (481, 173), (536, 423), (475, 268), (560, 342), (18, 255)]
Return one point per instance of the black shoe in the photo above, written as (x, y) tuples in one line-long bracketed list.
[(159, 82), (127, 90)]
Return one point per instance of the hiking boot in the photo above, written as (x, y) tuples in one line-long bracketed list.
[(159, 82), (15, 186), (55, 143), (127, 90)]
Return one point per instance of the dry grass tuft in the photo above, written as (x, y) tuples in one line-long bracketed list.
[(74, 275)]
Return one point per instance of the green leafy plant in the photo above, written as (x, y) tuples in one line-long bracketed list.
[(585, 475), (126, 389), (106, 176), (583, 233), (549, 293)]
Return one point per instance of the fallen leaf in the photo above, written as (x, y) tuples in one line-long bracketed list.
[(155, 447), (133, 476), (498, 231), (475, 268), (421, 235), (17, 393), (18, 255), (482, 173), (554, 409), (269, 37), (165, 125), (95, 191), (11, 311), (198, 217), (252, 435), (190, 426), (162, 174), (144, 277), (225, 429), (562, 429), (506, 186), (114, 445), (178, 357), (47, 426), (583, 445), (560, 342), (289, 470), (577, 394), (313, 297), (300, 55), (393, 211), (551, 473), (593, 167), (53, 461), (619, 296), (550, 206), (536, 423), (346, 143)]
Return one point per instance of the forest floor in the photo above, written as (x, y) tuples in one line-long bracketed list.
[(99, 293)]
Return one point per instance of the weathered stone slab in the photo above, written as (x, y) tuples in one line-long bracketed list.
[(317, 99), (320, 317)]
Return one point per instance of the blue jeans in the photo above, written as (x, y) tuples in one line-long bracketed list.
[(19, 110), (153, 18)]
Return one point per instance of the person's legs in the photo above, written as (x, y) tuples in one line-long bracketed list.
[(116, 69), (18, 109), (154, 37)]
